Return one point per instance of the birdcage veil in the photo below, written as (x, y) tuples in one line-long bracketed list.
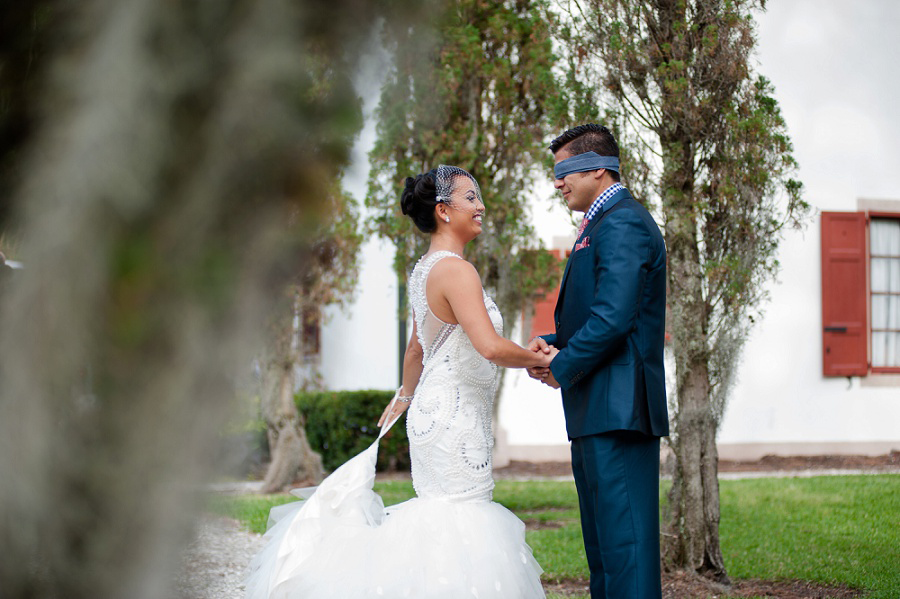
[(447, 178)]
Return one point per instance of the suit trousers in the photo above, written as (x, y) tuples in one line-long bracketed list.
[(617, 477)]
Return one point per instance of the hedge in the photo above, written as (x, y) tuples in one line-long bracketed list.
[(340, 424)]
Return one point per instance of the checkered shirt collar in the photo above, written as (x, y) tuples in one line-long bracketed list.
[(602, 199)]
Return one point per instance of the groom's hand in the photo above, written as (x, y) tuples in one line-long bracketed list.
[(550, 380), (538, 373)]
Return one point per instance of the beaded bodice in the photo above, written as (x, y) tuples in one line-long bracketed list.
[(449, 420)]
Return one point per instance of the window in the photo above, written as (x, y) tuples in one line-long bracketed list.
[(884, 266), (860, 293)]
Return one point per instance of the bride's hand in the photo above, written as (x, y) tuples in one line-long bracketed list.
[(394, 411), (548, 357)]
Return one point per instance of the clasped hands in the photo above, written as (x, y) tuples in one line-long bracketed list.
[(542, 373)]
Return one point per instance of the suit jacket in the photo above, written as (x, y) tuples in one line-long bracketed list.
[(610, 324)]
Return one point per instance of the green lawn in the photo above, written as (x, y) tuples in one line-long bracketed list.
[(830, 529)]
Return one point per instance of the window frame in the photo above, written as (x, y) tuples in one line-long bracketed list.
[(869, 215)]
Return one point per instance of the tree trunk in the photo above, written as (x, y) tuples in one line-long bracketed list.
[(292, 456), (692, 541)]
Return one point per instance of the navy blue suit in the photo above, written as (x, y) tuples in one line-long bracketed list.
[(610, 330)]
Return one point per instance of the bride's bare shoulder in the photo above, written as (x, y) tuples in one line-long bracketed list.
[(453, 274), (454, 266)]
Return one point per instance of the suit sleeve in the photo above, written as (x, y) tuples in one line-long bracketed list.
[(622, 252), (550, 339)]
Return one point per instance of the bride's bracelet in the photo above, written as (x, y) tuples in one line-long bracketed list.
[(404, 398)]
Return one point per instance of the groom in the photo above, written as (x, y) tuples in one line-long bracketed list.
[(610, 329)]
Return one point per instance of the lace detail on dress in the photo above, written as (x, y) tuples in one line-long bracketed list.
[(449, 420), (431, 331)]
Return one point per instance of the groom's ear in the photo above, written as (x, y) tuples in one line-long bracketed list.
[(598, 174)]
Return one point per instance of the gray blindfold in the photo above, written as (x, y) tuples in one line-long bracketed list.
[(589, 161)]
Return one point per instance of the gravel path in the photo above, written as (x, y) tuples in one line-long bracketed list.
[(217, 560)]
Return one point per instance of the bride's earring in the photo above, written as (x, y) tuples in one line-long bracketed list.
[(447, 218)]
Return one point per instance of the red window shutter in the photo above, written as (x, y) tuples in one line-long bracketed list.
[(844, 293), (542, 322)]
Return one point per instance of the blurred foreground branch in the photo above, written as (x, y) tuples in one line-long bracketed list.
[(169, 192)]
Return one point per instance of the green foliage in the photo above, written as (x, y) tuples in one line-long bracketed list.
[(330, 260), (833, 530), (478, 87), (331, 266), (340, 424)]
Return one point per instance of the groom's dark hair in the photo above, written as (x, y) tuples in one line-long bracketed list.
[(588, 138)]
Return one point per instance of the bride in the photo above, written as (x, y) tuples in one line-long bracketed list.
[(451, 541)]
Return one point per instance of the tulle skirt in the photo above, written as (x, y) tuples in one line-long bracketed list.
[(342, 543)]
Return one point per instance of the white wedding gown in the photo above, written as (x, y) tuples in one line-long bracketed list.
[(451, 541)]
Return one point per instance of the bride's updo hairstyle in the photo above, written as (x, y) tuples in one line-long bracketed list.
[(419, 199), (423, 192)]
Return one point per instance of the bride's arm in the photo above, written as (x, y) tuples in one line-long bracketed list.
[(412, 364), (457, 282), (412, 370)]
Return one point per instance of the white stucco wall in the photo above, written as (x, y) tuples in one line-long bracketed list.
[(843, 122), (359, 343), (781, 395)]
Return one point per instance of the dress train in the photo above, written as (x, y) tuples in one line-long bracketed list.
[(341, 542)]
